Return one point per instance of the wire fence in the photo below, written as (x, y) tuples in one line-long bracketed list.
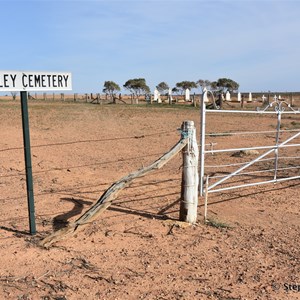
[(194, 99), (81, 189)]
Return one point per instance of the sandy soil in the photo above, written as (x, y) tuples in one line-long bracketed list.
[(138, 249)]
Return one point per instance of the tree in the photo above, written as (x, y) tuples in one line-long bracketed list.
[(183, 85), (175, 90), (204, 84), (226, 84), (137, 87), (111, 88), (163, 87), (214, 86)]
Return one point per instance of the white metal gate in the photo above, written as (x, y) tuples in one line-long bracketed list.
[(277, 107)]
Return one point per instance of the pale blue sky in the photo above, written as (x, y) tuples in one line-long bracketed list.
[(256, 43)]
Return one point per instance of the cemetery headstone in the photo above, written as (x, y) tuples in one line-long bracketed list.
[(227, 96), (250, 97), (187, 95), (204, 95), (264, 99), (170, 96), (157, 96)]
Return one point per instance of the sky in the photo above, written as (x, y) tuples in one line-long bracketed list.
[(255, 43)]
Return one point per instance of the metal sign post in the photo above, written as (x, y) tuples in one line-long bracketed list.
[(24, 82), (28, 166)]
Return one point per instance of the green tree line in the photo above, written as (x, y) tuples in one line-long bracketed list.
[(138, 86)]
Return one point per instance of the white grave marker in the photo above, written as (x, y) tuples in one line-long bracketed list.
[(187, 95), (239, 97), (170, 95), (204, 95), (250, 97), (157, 96), (227, 96)]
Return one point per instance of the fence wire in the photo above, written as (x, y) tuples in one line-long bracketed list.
[(91, 192)]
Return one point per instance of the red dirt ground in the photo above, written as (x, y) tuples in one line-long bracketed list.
[(138, 249)]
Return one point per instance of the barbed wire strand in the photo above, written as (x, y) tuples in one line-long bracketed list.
[(91, 141)]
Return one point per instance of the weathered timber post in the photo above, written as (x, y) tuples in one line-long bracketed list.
[(291, 99), (194, 100), (190, 179), (45, 96)]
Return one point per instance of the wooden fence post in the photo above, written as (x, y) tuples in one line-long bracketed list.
[(190, 178), (291, 99)]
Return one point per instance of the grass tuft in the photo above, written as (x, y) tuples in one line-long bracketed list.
[(217, 224)]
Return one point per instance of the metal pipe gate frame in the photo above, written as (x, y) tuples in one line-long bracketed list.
[(279, 109)]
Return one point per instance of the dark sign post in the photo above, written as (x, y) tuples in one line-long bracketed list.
[(28, 166), (24, 82)]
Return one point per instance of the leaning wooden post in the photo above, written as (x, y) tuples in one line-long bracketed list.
[(190, 179)]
